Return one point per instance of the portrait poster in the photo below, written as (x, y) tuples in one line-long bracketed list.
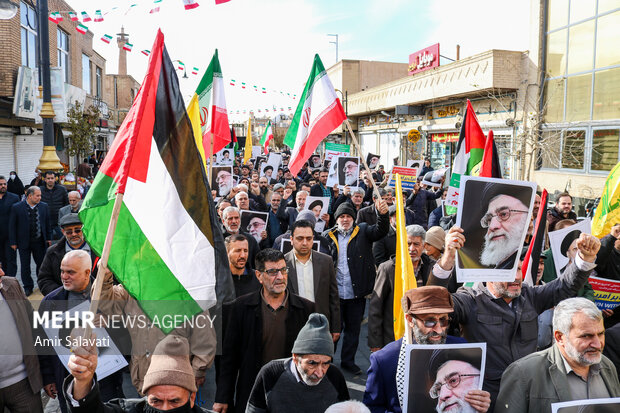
[(372, 160), (319, 205), (225, 157), (110, 359), (408, 177), (332, 177), (256, 151), (563, 243), (429, 367), (606, 405), (494, 214), (606, 292), (274, 161), (222, 179), (416, 163), (315, 161), (260, 162), (348, 168), (254, 223), (286, 245)]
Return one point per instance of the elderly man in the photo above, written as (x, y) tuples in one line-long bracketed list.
[(351, 172), (351, 250), (428, 312), (381, 307), (168, 383), (224, 181), (563, 209), (572, 369), (504, 314), (307, 381), (260, 327), (48, 278), (289, 213), (75, 202)]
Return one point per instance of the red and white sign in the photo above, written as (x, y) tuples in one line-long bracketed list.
[(424, 59)]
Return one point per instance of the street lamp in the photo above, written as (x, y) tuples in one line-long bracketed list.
[(336, 43)]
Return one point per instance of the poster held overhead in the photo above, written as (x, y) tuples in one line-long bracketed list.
[(563, 243)]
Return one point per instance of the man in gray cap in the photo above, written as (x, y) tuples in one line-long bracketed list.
[(306, 380), (169, 383), (48, 278)]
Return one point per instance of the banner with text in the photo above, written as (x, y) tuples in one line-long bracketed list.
[(408, 177), (606, 293), (336, 149)]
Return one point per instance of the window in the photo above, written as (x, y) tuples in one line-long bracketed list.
[(550, 139), (579, 90), (98, 80), (606, 92), (28, 21), (573, 143), (86, 73), (607, 50), (62, 44), (580, 47), (604, 149), (554, 100)]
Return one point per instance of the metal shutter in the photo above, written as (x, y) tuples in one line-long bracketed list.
[(29, 149), (7, 156)]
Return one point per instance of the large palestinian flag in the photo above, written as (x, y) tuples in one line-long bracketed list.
[(168, 251)]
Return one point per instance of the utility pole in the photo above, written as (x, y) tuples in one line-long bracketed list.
[(336, 43)]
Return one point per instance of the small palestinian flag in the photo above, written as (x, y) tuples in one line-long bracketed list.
[(73, 16), (81, 28), (181, 65), (106, 38), (155, 8), (128, 47), (232, 82), (190, 4), (242, 85), (264, 90), (146, 52), (85, 17), (98, 16), (195, 71)]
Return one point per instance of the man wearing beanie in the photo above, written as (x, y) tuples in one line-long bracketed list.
[(351, 250), (169, 382), (434, 242), (306, 380), (427, 310)]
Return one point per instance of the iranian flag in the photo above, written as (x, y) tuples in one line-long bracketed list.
[(469, 153), (207, 111), (98, 16), (146, 52), (53, 18), (73, 16), (106, 38), (190, 4), (167, 250), (180, 65), (195, 71), (128, 47), (318, 113), (85, 17), (156, 6), (81, 28), (267, 137)]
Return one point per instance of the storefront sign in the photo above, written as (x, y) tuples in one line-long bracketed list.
[(445, 137), (424, 59), (413, 136)]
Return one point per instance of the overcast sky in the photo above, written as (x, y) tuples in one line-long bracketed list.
[(271, 43)]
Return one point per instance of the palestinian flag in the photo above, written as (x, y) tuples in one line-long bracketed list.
[(146, 52), (190, 4), (319, 112), (469, 152), (81, 28), (233, 138), (491, 167), (529, 269), (171, 266), (73, 16), (267, 137), (106, 38), (85, 17), (195, 71), (98, 16), (156, 5), (128, 47), (207, 110)]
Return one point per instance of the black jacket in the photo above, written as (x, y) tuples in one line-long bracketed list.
[(7, 201), (385, 248), (359, 253), (55, 199), (242, 350), (608, 259)]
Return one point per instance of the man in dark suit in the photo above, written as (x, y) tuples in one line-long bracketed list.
[(312, 275), (30, 233), (20, 373), (260, 327), (7, 254)]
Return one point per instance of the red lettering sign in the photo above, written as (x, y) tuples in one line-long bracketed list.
[(424, 59)]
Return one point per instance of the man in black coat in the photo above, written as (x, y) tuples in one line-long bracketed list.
[(260, 327), (8, 258), (351, 249), (55, 196), (30, 233)]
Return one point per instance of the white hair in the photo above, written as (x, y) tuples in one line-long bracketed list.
[(81, 255), (243, 187), (416, 231), (349, 406), (76, 193), (302, 193), (359, 191), (566, 309), (228, 210), (239, 193)]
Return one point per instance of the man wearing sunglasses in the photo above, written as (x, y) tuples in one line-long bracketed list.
[(48, 278), (427, 311)]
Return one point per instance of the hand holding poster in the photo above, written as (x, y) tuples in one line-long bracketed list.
[(254, 223), (494, 214), (564, 244), (344, 171)]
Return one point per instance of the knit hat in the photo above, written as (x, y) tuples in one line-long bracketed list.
[(436, 236), (170, 365), (306, 215), (314, 337), (427, 300), (345, 208)]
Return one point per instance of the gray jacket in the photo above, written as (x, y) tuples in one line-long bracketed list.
[(510, 332), (534, 382)]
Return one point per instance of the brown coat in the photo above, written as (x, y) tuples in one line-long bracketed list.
[(22, 313)]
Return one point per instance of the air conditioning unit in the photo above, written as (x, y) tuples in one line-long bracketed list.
[(26, 130)]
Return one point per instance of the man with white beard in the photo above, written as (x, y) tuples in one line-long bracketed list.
[(505, 222), (351, 172), (224, 181), (457, 375)]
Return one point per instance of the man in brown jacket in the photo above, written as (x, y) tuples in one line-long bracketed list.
[(20, 376)]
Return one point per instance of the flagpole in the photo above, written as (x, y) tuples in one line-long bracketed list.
[(103, 262), (359, 150), (211, 156)]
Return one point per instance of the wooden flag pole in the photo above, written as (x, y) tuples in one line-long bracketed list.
[(103, 261), (359, 150), (211, 157)]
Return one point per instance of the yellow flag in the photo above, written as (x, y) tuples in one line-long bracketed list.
[(193, 112), (608, 210), (247, 153), (404, 277)]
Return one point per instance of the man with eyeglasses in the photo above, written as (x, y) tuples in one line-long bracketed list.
[(427, 310), (224, 181), (261, 326), (48, 278), (307, 380)]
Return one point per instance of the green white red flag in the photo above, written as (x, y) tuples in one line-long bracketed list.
[(267, 137), (73, 16), (318, 113), (98, 16), (81, 28), (85, 17), (106, 38), (190, 4), (128, 47)]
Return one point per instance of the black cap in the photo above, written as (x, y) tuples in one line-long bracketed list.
[(568, 239), (70, 219)]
